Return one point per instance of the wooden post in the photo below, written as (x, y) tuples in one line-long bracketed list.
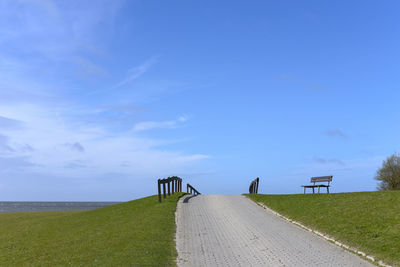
[(173, 185), (258, 180), (163, 185), (169, 189), (159, 190)]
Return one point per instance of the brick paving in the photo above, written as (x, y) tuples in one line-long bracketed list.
[(231, 230)]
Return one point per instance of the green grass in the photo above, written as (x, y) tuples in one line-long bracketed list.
[(369, 221), (135, 233)]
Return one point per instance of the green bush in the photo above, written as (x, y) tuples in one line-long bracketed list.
[(389, 173)]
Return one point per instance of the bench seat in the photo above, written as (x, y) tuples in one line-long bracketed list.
[(319, 180)]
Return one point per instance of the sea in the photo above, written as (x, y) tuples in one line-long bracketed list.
[(21, 206)]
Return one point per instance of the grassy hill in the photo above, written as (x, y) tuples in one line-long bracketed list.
[(135, 233), (369, 221)]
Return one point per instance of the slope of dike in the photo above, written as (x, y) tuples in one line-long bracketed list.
[(139, 233)]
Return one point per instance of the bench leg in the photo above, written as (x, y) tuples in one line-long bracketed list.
[(304, 190), (327, 190), (313, 190), (318, 189)]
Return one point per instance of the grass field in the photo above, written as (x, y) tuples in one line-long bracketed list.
[(369, 221), (135, 233)]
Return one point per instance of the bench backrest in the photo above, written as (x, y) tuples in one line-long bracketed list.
[(321, 179)]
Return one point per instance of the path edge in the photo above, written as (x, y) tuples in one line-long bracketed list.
[(324, 236), (176, 227)]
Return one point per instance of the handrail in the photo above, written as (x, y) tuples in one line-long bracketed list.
[(253, 188), (174, 183), (192, 190)]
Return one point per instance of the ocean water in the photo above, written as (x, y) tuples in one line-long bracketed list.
[(20, 206)]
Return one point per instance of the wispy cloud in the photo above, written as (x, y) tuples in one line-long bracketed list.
[(88, 68), (125, 109), (149, 125), (133, 74), (76, 147), (77, 164), (9, 123), (4, 145), (305, 83), (136, 72), (329, 161), (336, 132)]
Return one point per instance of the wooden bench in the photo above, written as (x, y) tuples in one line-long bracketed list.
[(321, 179)]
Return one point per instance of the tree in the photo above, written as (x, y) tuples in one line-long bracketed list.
[(389, 173)]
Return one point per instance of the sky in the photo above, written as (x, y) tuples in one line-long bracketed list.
[(99, 99)]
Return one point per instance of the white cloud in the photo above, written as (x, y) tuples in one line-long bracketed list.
[(183, 118), (150, 125), (50, 133)]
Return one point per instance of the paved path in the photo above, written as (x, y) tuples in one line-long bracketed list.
[(221, 230)]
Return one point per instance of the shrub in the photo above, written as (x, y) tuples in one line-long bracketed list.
[(389, 173)]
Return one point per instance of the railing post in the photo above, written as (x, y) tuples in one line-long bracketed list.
[(176, 185), (159, 190), (165, 191), (169, 189), (173, 185)]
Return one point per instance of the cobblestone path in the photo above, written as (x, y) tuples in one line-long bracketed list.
[(223, 230)]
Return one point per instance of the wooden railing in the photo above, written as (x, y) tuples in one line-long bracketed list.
[(253, 188), (190, 189), (173, 183)]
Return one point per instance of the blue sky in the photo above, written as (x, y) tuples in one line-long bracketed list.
[(98, 99)]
